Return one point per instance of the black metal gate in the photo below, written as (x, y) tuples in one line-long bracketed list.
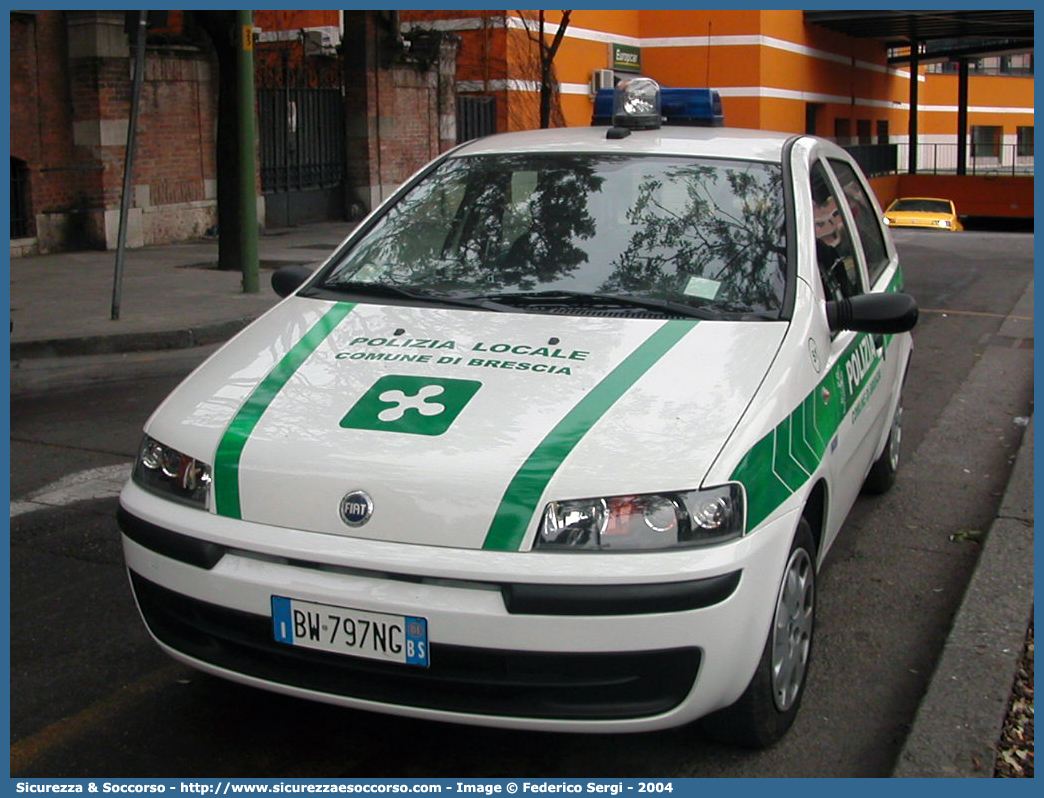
[(302, 135), (476, 117)]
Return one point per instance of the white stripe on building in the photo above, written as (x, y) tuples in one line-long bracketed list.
[(586, 34)]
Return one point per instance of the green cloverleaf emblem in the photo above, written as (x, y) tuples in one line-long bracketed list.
[(415, 405)]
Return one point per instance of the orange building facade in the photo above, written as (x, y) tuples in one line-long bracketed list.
[(772, 69), (350, 103)]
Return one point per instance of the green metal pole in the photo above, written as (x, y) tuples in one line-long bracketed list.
[(247, 153)]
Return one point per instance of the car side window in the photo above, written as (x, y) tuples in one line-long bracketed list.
[(835, 253), (867, 223)]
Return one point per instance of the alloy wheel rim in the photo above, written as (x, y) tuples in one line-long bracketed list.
[(792, 629), (896, 438)]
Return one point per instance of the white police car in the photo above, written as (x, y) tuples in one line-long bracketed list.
[(555, 440)]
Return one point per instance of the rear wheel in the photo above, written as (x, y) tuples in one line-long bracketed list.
[(767, 708)]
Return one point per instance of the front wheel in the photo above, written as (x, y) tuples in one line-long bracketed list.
[(767, 708), (883, 471)]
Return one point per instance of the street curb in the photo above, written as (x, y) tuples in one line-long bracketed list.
[(120, 343), (960, 719)]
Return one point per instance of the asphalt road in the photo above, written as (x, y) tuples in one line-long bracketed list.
[(91, 695)]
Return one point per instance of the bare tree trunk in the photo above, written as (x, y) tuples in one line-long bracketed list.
[(548, 84), (219, 25), (546, 64)]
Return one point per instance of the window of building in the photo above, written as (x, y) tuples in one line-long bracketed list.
[(1020, 64), (811, 117), (986, 141), (476, 117), (1025, 142), (882, 131), (21, 216), (863, 131), (843, 131)]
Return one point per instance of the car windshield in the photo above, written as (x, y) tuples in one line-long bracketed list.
[(922, 206), (684, 232)]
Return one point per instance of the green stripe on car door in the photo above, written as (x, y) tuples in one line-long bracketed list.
[(523, 493), (226, 461), (783, 461)]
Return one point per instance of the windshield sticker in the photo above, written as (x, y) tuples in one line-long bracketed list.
[(702, 288), (415, 405)]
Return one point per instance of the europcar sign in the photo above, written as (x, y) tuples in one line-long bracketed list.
[(625, 57)]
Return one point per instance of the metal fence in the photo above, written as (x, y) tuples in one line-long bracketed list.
[(941, 159), (875, 159)]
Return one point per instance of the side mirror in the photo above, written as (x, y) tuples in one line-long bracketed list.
[(873, 313), (289, 278)]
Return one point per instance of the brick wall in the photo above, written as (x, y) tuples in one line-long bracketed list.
[(175, 170), (71, 90), (62, 177), (400, 115)]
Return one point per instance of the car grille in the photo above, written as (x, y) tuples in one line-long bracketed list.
[(544, 685)]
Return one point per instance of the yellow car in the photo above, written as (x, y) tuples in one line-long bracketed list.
[(939, 214)]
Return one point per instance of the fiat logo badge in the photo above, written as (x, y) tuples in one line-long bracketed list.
[(356, 508)]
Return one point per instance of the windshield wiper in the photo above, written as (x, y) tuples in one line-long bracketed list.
[(585, 299), (395, 292)]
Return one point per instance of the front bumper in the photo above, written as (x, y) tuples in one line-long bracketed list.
[(569, 642), (930, 224), (538, 685)]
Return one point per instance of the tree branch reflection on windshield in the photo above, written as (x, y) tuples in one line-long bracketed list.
[(689, 231), (726, 228)]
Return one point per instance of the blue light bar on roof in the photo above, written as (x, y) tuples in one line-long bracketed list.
[(694, 107)]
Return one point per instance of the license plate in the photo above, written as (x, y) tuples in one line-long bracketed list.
[(343, 630)]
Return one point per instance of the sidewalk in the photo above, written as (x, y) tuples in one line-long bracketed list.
[(961, 715), (174, 298)]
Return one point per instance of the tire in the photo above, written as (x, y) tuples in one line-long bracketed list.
[(767, 708), (883, 471)]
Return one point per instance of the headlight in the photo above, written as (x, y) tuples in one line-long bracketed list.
[(886, 220), (171, 474), (943, 222), (646, 521)]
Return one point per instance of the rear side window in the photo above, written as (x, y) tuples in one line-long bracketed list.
[(867, 224)]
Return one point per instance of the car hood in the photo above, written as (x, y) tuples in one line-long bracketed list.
[(459, 425)]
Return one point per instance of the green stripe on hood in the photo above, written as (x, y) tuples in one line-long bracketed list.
[(226, 461), (524, 492)]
